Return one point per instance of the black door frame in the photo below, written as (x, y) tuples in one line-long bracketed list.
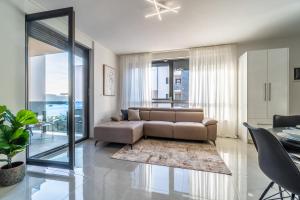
[(87, 52), (65, 12)]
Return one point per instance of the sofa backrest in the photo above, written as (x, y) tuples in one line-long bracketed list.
[(171, 114), (162, 115)]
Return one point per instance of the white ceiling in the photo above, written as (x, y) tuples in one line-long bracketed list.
[(121, 26)]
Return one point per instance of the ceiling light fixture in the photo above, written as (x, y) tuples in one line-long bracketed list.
[(161, 9), (157, 9)]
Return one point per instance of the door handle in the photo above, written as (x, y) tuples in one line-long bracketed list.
[(265, 91), (270, 89)]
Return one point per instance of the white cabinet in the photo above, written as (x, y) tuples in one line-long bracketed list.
[(264, 75), (278, 79), (257, 71)]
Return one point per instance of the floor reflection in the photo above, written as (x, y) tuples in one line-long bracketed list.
[(189, 183), (98, 177)]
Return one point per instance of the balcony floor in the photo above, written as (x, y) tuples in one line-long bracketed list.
[(41, 142)]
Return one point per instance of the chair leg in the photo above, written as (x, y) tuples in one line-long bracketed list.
[(96, 142), (293, 197), (280, 192), (266, 191)]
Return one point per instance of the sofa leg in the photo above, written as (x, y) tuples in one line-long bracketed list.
[(131, 146), (145, 137), (96, 142)]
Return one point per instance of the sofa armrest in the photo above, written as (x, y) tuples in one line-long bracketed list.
[(208, 121)]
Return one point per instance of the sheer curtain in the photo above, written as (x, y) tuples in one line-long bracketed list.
[(213, 85), (135, 75)]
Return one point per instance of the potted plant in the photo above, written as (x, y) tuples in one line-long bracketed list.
[(14, 137)]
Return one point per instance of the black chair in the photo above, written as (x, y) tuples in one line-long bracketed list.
[(286, 121), (275, 163)]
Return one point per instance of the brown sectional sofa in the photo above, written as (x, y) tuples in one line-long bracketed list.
[(187, 124)]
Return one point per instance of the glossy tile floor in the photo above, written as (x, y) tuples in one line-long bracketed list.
[(97, 176)]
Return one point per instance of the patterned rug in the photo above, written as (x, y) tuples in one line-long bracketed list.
[(187, 155)]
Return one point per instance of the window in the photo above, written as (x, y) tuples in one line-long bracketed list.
[(170, 83), (160, 81)]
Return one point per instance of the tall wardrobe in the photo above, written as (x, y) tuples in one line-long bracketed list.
[(263, 88)]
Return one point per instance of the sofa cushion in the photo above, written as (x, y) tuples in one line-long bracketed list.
[(167, 116), (190, 131), (145, 115), (158, 129), (127, 132), (134, 115), (182, 116)]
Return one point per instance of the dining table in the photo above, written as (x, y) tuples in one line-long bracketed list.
[(291, 146)]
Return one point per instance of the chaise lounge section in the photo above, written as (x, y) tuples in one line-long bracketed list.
[(186, 124)]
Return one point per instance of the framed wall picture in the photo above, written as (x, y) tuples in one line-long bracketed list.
[(109, 81), (297, 74)]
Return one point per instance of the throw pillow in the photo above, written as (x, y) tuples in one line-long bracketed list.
[(115, 118), (124, 114), (134, 115)]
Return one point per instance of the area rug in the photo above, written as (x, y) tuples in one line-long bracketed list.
[(178, 154)]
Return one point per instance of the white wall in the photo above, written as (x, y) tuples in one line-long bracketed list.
[(294, 52), (37, 76), (12, 56), (104, 106)]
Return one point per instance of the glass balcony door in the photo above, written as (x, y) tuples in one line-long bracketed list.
[(50, 87), (81, 114)]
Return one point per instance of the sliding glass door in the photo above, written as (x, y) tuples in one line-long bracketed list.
[(50, 86), (81, 112)]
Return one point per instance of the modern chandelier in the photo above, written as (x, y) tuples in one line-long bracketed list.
[(161, 9)]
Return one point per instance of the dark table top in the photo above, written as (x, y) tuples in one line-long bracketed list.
[(291, 146)]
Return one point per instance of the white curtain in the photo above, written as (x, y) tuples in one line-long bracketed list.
[(213, 85), (135, 75)]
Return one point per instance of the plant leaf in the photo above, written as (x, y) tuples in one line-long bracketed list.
[(2, 113), (22, 140), (16, 134), (9, 117), (4, 146), (5, 132), (26, 117), (2, 109)]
